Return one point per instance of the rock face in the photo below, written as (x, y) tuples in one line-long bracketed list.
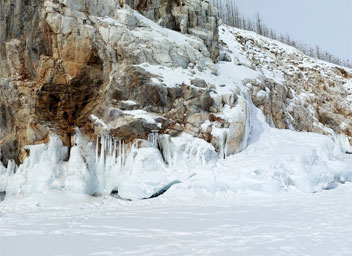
[(195, 17), (296, 91), (66, 64)]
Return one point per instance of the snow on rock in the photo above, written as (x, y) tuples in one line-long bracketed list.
[(293, 90)]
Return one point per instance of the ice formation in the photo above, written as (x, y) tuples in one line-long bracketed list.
[(274, 160), (344, 144)]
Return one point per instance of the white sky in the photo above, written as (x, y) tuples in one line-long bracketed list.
[(327, 23)]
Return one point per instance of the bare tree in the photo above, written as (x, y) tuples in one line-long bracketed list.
[(230, 15)]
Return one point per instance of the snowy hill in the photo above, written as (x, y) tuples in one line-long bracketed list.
[(188, 123)]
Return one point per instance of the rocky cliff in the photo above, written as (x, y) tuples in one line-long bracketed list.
[(134, 71), (296, 92), (62, 61)]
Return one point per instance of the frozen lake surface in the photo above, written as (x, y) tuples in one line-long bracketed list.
[(292, 223)]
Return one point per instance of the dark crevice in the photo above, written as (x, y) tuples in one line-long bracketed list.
[(115, 194), (164, 189), (65, 116), (2, 196), (54, 101)]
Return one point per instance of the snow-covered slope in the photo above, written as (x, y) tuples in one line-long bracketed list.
[(296, 91)]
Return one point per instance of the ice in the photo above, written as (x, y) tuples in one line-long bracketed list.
[(179, 223), (153, 138), (79, 175), (187, 150), (221, 135), (273, 161), (277, 160), (40, 171), (5, 173), (344, 144)]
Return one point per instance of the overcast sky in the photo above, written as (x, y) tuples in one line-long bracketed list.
[(327, 23)]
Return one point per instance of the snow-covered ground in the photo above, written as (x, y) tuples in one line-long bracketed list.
[(176, 223)]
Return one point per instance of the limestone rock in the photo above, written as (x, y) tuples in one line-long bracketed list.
[(195, 17)]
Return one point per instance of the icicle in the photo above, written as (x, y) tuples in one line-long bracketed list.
[(120, 153), (153, 138), (223, 145), (114, 152), (110, 146), (97, 150), (123, 154), (102, 153)]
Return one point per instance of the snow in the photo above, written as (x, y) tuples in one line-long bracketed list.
[(161, 33), (229, 76), (292, 223), (348, 86), (129, 102), (98, 121), (278, 160), (142, 114)]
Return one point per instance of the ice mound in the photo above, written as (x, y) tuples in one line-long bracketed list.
[(185, 149), (41, 171), (277, 160)]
